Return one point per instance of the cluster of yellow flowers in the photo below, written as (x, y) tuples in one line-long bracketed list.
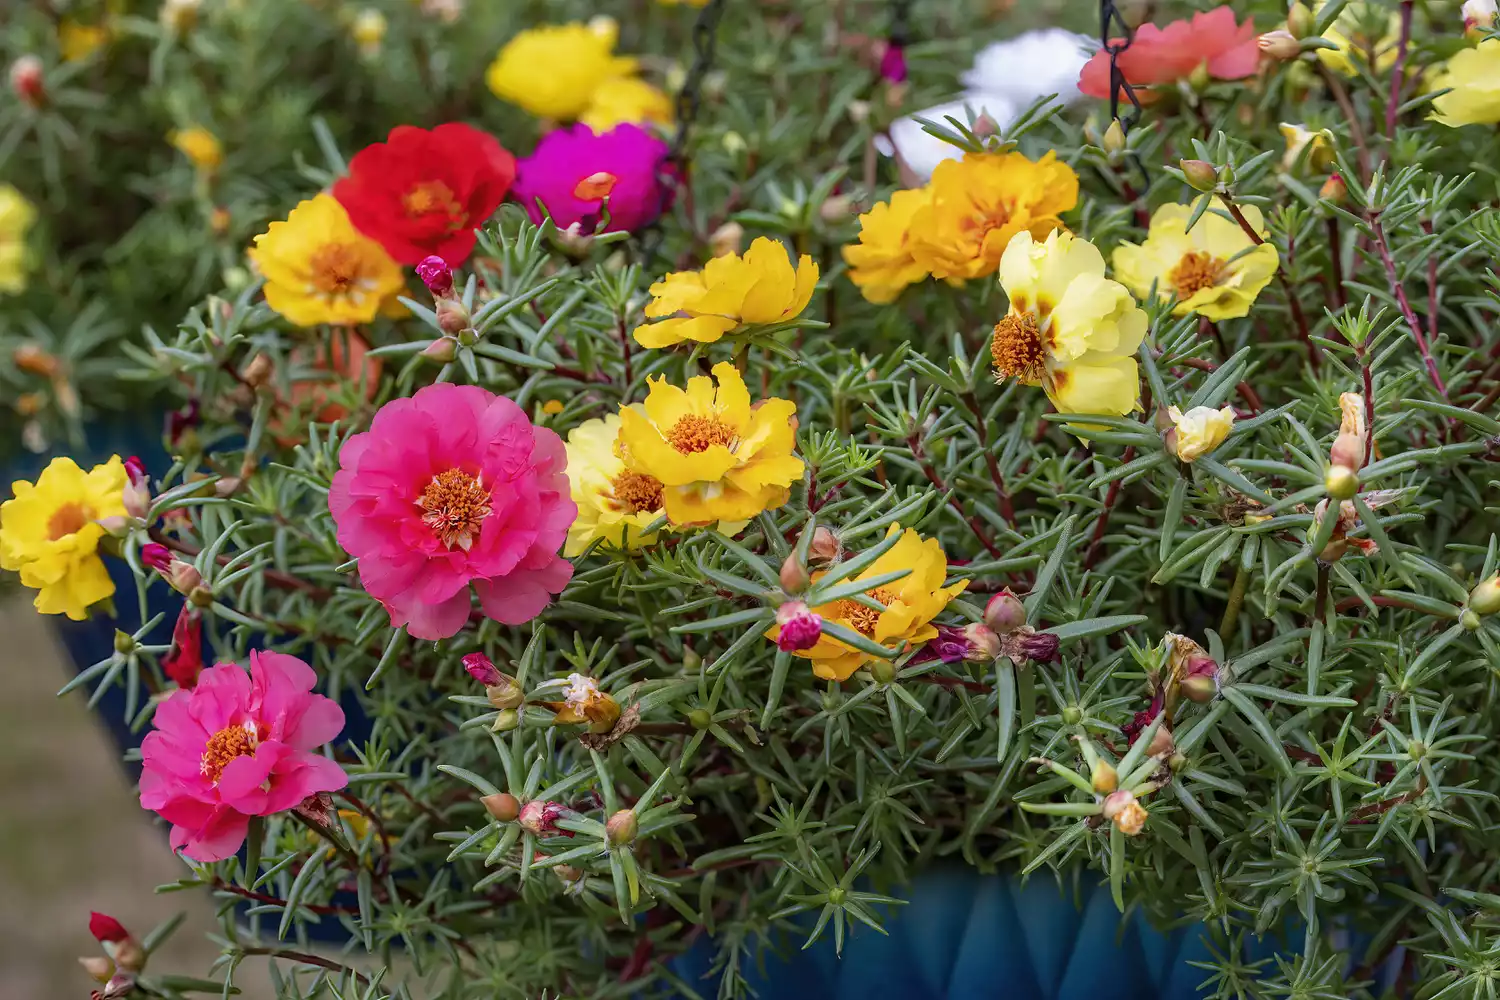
[(958, 226), (569, 72), (16, 216)]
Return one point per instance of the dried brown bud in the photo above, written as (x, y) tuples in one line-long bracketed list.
[(1026, 643), (727, 239), (825, 548), (258, 372)]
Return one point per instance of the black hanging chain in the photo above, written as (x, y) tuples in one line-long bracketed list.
[(900, 22), (1110, 19), (672, 171)]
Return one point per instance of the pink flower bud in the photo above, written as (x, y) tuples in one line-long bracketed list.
[(621, 827), (452, 317), (157, 556), (983, 645), (137, 493), (540, 818), (893, 62), (436, 275), (26, 80), (481, 669), (1004, 612), (800, 627), (106, 929), (794, 575), (443, 350)]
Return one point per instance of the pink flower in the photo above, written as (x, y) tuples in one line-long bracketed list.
[(1226, 50), (564, 173), (436, 275), (235, 746), (482, 669), (800, 627), (450, 486)]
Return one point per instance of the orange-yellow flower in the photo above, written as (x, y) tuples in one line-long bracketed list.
[(882, 264), (731, 291)]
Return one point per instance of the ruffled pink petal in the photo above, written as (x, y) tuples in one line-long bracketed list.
[(321, 721), (163, 753), (519, 597), (298, 775), (430, 621), (242, 782), (220, 698), (217, 839)]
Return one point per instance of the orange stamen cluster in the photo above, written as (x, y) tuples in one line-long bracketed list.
[(1016, 348), (694, 433), (455, 504)]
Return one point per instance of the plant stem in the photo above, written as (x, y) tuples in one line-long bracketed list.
[(1007, 509), (276, 578), (1102, 525), (1356, 131), (1398, 74), (1336, 262), (1377, 232), (303, 958), (915, 443), (1236, 601), (1291, 296)]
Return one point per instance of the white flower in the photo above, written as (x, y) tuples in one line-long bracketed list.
[(1006, 77), (581, 690), (1478, 14)]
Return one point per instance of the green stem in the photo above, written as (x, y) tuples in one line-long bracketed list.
[(1236, 600)]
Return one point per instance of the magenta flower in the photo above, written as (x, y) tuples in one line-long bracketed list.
[(235, 746), (801, 627), (436, 275), (451, 486), (573, 169)]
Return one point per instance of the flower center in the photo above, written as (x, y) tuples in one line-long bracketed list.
[(695, 433), (1016, 348), (986, 219), (455, 503), (435, 197), (1194, 272), (637, 492), (863, 617), (225, 745), (66, 520), (335, 268)]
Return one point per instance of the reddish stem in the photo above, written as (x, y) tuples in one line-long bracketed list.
[(1102, 525), (1398, 75), (915, 443), (1007, 510), (1383, 248)]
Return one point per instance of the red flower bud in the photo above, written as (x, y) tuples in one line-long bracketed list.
[(481, 669), (106, 929), (893, 62), (540, 818), (1004, 612), (184, 661), (157, 556), (800, 627), (26, 80), (436, 275)]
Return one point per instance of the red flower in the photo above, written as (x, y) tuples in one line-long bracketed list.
[(184, 661), (423, 192), (106, 928), (1212, 39)]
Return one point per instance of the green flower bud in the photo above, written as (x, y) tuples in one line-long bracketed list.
[(1485, 598), (1341, 483), (1200, 174), (621, 827)]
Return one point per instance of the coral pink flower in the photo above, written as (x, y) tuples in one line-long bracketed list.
[(1228, 51), (450, 486), (238, 745)]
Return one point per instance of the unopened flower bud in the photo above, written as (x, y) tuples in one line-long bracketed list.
[(199, 596), (1104, 778), (452, 316), (482, 669), (125, 643), (800, 627), (99, 968), (436, 275), (156, 556), (836, 208), (507, 720), (794, 575), (126, 951), (1026, 643), (1280, 45), (1299, 20), (883, 672), (258, 372), (1200, 174), (502, 806), (893, 62), (1161, 742), (36, 360), (699, 719), (621, 827), (691, 661), (727, 239), (1199, 688), (1113, 141), (1004, 612), (985, 126), (120, 985), (1122, 809), (595, 186), (1334, 190), (1072, 715), (540, 818), (1469, 620), (1485, 598), (26, 80), (983, 644), (505, 694), (1340, 482), (1200, 78), (1478, 15), (734, 144), (825, 548), (442, 350)]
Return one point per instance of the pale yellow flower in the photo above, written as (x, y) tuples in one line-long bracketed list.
[(1198, 431), (1214, 269)]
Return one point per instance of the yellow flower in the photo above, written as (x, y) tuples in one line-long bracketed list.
[(553, 71), (1214, 269), (200, 146), (320, 269), (614, 503), (76, 40), (1198, 431), (626, 99), (368, 31), (1319, 147), (979, 202), (1353, 31), (910, 605), (881, 263), (16, 217), (729, 292), (1069, 329), (1474, 75), (50, 534), (717, 457)]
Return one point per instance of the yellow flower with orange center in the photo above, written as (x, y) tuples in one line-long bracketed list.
[(50, 532), (977, 204), (1069, 329), (717, 457), (729, 293), (882, 264), (614, 503), (1214, 269), (891, 614), (626, 100), (320, 269), (200, 146)]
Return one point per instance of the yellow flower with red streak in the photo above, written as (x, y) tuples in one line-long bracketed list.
[(1474, 78), (730, 292), (977, 204), (890, 614), (1214, 269), (320, 269), (882, 264), (50, 532), (718, 457), (1069, 329)]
